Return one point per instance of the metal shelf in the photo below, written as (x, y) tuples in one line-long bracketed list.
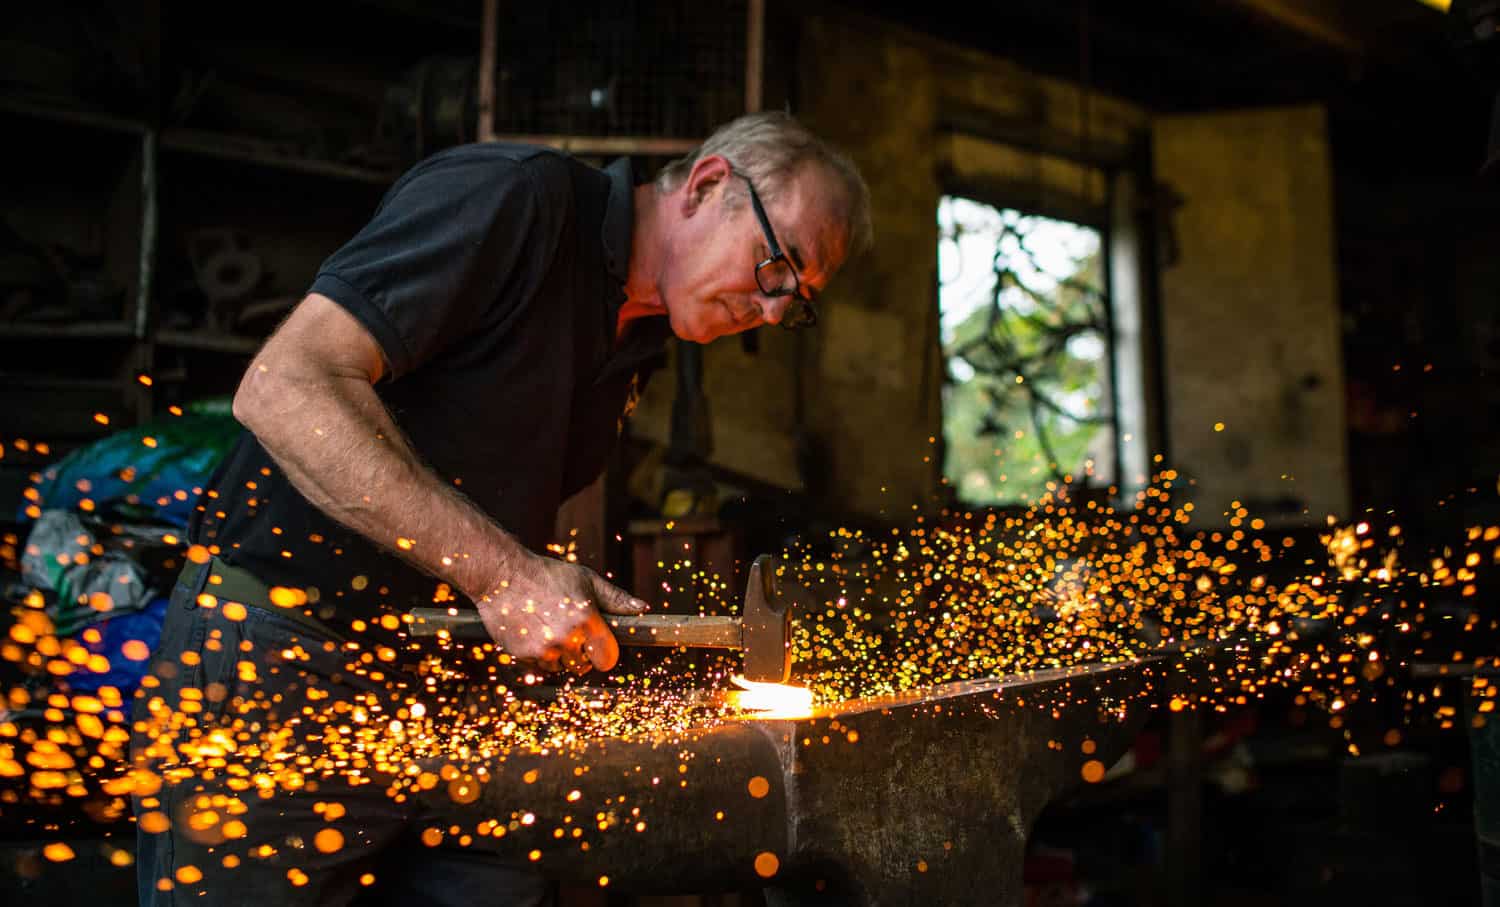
[(90, 330), (73, 116), (265, 154), (25, 381), (209, 341), (198, 141)]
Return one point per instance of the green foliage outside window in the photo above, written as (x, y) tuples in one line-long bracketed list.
[(1027, 398)]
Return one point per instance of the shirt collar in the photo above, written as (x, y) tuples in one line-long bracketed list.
[(642, 347), (619, 216)]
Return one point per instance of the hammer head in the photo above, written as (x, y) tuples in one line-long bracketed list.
[(765, 625)]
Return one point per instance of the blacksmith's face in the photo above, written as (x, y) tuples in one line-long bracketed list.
[(709, 281)]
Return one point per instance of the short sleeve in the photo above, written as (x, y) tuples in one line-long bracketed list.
[(457, 236)]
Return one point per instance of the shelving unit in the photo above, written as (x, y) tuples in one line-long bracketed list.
[(268, 132), (167, 190), (122, 175), (133, 332)]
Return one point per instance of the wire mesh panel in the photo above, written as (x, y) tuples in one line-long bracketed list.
[(640, 68)]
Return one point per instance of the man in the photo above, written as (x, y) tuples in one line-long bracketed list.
[(457, 369)]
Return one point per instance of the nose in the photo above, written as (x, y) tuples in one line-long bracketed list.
[(773, 308)]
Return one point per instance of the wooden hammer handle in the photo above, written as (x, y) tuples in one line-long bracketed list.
[(711, 632), (697, 631)]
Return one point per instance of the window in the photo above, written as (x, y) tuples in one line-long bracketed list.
[(1025, 335)]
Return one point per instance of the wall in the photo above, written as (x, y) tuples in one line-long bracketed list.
[(1250, 321)]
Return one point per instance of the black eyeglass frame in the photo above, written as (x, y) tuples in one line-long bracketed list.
[(800, 313)]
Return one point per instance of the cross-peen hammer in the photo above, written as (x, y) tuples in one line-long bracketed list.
[(763, 631)]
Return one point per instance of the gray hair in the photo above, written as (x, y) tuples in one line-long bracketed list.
[(769, 147)]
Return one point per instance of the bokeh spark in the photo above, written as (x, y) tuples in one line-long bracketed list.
[(1241, 610)]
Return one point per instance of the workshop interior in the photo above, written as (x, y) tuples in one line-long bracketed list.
[(1179, 312)]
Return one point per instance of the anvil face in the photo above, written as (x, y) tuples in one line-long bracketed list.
[(923, 798)]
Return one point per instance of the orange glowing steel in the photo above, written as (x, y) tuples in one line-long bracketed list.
[(772, 700)]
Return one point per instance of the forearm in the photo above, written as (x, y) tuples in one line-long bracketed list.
[(339, 447)]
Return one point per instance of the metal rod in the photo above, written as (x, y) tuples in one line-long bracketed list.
[(487, 41), (141, 316), (87, 118), (250, 151), (755, 47), (1184, 806)]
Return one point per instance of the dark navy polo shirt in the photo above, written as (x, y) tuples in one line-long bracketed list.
[(491, 276)]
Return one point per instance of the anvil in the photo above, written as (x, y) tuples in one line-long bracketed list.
[(923, 798)]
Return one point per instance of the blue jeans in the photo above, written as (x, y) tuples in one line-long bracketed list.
[(211, 837)]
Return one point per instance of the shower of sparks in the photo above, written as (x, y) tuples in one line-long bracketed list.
[(968, 596), (958, 597)]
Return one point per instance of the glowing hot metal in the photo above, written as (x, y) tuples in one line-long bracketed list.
[(771, 700)]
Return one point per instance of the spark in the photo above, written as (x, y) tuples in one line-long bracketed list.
[(955, 596)]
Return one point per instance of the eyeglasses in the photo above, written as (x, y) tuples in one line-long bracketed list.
[(776, 276)]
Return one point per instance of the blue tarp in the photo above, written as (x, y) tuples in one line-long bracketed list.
[(124, 673), (144, 474)]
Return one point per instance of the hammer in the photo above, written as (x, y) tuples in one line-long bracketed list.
[(763, 631)]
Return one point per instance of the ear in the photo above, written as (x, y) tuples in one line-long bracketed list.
[(705, 179)]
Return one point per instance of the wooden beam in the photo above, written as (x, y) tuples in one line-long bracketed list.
[(1028, 134), (1321, 21), (1027, 196), (755, 55), (485, 130), (605, 144)]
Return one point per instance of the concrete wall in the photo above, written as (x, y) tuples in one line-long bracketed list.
[(1249, 310)]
